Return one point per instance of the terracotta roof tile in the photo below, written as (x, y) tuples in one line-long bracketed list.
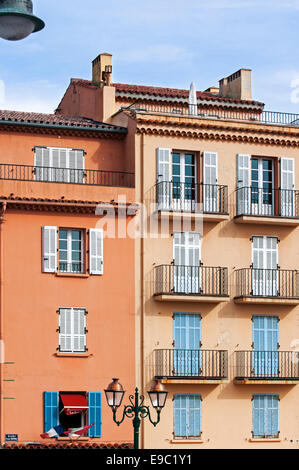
[(55, 120), (164, 92), (70, 445)]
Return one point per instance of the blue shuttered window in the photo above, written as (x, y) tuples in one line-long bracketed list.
[(265, 416), (187, 416), (51, 410), (95, 413)]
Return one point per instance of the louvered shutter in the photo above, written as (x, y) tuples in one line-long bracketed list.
[(95, 414), (65, 329), (258, 415), (78, 332), (194, 415), (243, 184), (180, 415), (76, 165), (164, 176), (51, 410), (96, 251), (59, 164), (42, 164), (272, 425), (210, 179), (287, 176), (49, 243)]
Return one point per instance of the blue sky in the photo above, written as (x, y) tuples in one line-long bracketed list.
[(163, 43)]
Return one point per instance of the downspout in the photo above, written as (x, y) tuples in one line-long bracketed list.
[(2, 212), (142, 319)]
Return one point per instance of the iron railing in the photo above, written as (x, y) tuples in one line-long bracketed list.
[(196, 111), (191, 197), (267, 202), (252, 282), (194, 363), (74, 267), (268, 365), (190, 280), (66, 175)]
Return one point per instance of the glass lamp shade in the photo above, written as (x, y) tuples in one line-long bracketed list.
[(114, 394), (17, 20), (158, 395)]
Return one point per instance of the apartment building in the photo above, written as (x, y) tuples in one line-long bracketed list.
[(67, 286), (216, 271)]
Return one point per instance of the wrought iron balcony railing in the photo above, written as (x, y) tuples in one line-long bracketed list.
[(267, 365), (267, 202), (283, 283), (191, 363), (66, 175), (191, 197), (74, 267), (195, 111), (191, 280)]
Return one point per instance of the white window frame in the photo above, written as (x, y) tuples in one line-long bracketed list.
[(69, 251)]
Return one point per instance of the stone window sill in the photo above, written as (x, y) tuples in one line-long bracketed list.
[(186, 441), (65, 354), (262, 439), (84, 275)]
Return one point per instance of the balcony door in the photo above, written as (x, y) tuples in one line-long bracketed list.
[(287, 187), (186, 260), (265, 345), (210, 180), (187, 337), (262, 186), (264, 266), (183, 181)]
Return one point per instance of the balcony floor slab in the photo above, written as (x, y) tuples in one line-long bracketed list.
[(267, 220), (266, 300), (249, 381), (177, 381), (205, 217), (191, 298)]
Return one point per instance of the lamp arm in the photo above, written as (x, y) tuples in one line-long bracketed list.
[(145, 411), (114, 410)]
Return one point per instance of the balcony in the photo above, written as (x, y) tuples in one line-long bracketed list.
[(66, 175), (203, 201), (190, 283), (267, 206), (267, 367), (267, 286), (191, 366), (253, 116)]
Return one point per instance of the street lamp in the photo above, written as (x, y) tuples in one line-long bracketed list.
[(17, 20), (136, 410)]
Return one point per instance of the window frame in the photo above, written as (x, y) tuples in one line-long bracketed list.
[(69, 251)]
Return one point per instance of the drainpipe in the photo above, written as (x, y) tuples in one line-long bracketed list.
[(142, 309), (2, 212)]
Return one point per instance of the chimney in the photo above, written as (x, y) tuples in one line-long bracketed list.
[(237, 85), (102, 70)]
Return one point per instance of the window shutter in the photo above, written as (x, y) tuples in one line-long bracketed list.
[(95, 414), (95, 251), (272, 426), (76, 165), (59, 164), (287, 177), (163, 165), (42, 159), (49, 262), (243, 184), (194, 415), (258, 418), (65, 329), (79, 325), (180, 415), (51, 410)]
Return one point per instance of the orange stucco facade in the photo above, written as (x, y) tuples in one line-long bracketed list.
[(32, 362)]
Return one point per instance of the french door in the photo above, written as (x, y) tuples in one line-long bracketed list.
[(262, 184), (187, 337), (265, 346), (264, 266), (210, 180), (183, 181), (186, 260)]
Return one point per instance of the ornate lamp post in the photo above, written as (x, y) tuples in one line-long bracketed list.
[(136, 410), (17, 20)]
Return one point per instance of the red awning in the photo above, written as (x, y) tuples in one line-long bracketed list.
[(74, 403)]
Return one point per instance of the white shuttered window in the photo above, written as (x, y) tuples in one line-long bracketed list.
[(96, 251), (72, 330), (59, 164)]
